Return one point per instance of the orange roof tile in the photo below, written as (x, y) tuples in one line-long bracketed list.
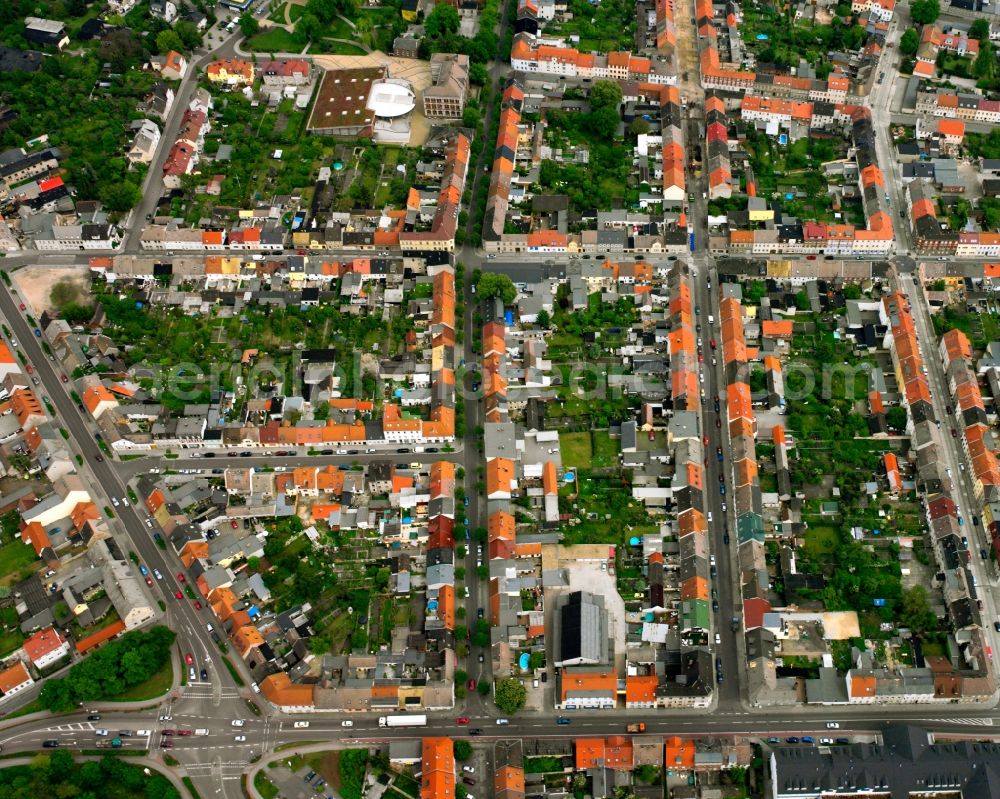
[(96, 639), (278, 689), (13, 677), (437, 769)]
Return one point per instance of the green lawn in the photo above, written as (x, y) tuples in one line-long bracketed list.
[(155, 686), (605, 449), (577, 451), (10, 639), (275, 40), (338, 48), (15, 556), (821, 541)]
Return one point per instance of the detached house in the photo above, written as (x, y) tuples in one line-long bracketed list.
[(45, 31), (230, 72), (144, 145)]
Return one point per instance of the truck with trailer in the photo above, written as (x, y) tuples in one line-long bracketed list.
[(403, 721)]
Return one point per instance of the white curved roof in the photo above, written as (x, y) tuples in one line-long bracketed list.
[(391, 99)]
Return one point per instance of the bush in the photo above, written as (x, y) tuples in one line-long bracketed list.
[(353, 764)]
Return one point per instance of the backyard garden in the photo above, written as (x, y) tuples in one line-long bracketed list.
[(794, 172)]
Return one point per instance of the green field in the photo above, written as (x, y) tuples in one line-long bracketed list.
[(15, 557), (577, 451), (605, 449), (821, 541), (275, 40), (589, 450)]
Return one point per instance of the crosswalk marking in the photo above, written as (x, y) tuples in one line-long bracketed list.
[(971, 722)]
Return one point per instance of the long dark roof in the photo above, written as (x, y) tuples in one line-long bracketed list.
[(906, 764)]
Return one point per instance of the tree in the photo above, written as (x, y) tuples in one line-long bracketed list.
[(915, 610), (442, 22), (309, 27), (249, 24), (909, 42), (896, 417), (471, 115), (605, 94), (169, 40), (802, 301), (481, 637), (190, 35), (478, 74), (483, 688), (924, 12), (492, 285), (121, 196), (463, 750), (985, 64), (510, 695), (121, 48), (10, 523), (543, 318), (980, 29), (638, 126), (324, 10)]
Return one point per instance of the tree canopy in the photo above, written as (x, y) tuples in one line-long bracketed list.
[(510, 695), (494, 285), (249, 24), (58, 775), (111, 670), (909, 42), (924, 12)]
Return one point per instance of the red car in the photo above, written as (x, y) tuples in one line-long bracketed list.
[(472, 685), (178, 595), (701, 358), (704, 440), (189, 659), (197, 604), (183, 733), (233, 524), (27, 366), (711, 343), (149, 581), (64, 378), (462, 720), (22, 306), (168, 732), (181, 578), (300, 252)]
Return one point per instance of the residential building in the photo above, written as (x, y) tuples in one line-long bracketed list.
[(46, 647), (445, 97)]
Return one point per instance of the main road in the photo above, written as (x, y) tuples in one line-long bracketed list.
[(218, 742)]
